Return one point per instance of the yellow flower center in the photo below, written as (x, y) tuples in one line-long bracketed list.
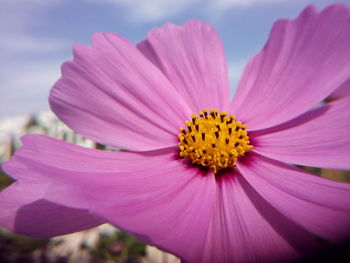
[(214, 140)]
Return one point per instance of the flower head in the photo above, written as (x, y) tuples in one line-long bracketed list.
[(203, 184)]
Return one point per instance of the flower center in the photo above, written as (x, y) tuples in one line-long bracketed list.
[(214, 140)]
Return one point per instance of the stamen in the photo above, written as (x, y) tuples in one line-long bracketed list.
[(214, 140), (217, 135), (205, 113)]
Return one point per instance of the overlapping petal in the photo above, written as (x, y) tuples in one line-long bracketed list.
[(154, 196), (192, 57), (303, 62), (245, 228), (319, 205), (25, 210), (318, 138), (342, 92), (112, 94)]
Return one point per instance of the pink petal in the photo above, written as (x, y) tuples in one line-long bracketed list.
[(245, 228), (25, 210), (303, 62), (112, 94), (319, 205), (342, 92), (318, 138), (171, 209), (192, 57), (153, 195)]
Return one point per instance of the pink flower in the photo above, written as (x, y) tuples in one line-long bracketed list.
[(137, 98)]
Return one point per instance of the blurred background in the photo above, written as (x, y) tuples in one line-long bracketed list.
[(36, 38)]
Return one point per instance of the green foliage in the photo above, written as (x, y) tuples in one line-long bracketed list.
[(119, 247), (18, 248)]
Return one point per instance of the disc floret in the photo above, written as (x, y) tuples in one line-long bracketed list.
[(214, 140)]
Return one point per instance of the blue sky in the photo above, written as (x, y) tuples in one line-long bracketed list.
[(37, 35)]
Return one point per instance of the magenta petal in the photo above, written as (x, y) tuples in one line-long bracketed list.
[(318, 138), (25, 210), (150, 194), (342, 92), (245, 228), (112, 94), (319, 205), (192, 57), (303, 62), (171, 208)]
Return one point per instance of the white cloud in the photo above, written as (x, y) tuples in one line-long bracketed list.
[(25, 85), (33, 45), (214, 9), (30, 63), (223, 4), (155, 10), (35, 74), (19, 15), (29, 67), (150, 10)]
